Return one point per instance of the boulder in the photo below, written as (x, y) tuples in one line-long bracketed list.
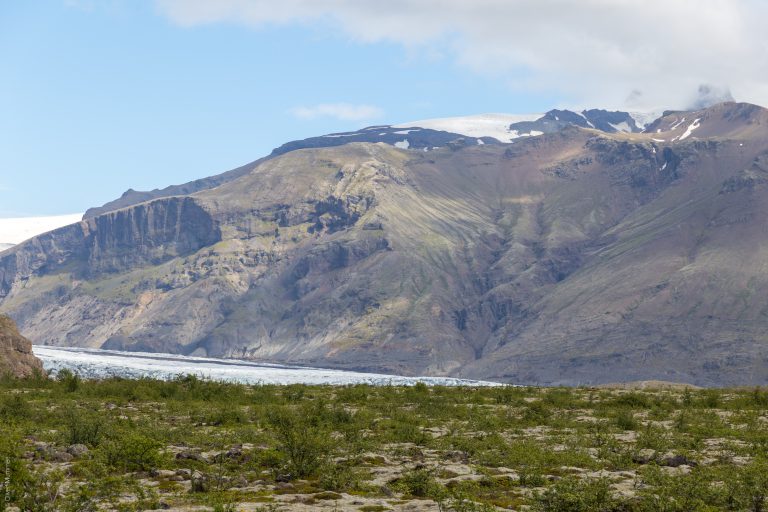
[(16, 356), (77, 450)]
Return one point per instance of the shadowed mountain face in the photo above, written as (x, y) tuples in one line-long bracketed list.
[(578, 256)]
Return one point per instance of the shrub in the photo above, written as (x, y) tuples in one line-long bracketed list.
[(338, 477), (575, 495), (70, 382), (633, 399), (83, 427), (14, 407), (682, 493), (41, 492), (710, 398), (759, 397), (304, 443), (625, 420), (652, 437), (537, 412), (131, 450), (559, 397), (748, 487), (420, 483), (12, 470)]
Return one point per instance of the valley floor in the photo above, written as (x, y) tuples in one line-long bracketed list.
[(190, 444)]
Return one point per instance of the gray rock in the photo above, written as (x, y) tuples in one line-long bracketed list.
[(77, 450), (644, 456), (678, 460), (200, 482), (190, 455), (61, 456), (162, 473)]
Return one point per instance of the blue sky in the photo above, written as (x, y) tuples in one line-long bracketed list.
[(98, 100), (97, 97)]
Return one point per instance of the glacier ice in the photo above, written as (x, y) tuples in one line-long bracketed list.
[(97, 363)]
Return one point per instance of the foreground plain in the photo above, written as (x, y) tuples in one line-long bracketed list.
[(187, 444)]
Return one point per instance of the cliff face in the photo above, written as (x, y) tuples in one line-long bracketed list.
[(118, 241), (16, 356), (573, 257)]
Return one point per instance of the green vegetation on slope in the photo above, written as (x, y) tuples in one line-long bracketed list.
[(69, 445)]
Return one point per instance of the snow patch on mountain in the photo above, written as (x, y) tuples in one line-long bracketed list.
[(482, 125), (403, 144), (586, 119), (98, 364), (690, 129), (16, 230)]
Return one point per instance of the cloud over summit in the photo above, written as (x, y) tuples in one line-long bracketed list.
[(594, 52)]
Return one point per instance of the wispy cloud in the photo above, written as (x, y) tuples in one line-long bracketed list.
[(341, 111), (597, 52)]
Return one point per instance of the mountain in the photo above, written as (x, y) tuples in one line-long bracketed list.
[(16, 356), (556, 120), (576, 256)]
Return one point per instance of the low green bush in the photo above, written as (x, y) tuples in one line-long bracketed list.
[(572, 494), (130, 450), (304, 443)]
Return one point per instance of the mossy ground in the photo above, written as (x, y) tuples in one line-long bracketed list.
[(196, 445)]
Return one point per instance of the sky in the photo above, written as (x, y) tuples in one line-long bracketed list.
[(101, 96)]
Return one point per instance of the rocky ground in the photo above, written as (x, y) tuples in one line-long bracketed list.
[(190, 445)]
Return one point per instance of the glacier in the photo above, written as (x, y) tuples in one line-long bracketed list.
[(14, 230), (90, 363)]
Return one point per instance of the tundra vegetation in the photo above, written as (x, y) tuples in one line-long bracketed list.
[(190, 444)]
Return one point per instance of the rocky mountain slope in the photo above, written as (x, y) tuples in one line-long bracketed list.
[(577, 256), (16, 356)]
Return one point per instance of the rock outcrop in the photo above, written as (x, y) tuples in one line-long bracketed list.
[(118, 241), (16, 356)]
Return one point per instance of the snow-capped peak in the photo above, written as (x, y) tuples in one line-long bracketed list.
[(481, 125)]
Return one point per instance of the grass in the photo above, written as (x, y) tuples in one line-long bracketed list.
[(216, 446)]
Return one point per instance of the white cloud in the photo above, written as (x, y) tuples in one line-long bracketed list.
[(595, 52), (341, 111)]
